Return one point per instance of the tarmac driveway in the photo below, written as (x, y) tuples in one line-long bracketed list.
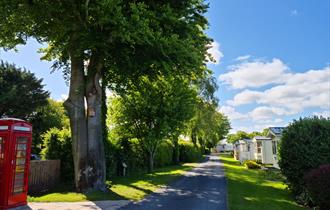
[(203, 188)]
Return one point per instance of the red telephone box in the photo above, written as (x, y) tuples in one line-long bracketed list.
[(15, 149)]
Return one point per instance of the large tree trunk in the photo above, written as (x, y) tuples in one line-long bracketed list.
[(96, 156), (86, 128), (75, 106)]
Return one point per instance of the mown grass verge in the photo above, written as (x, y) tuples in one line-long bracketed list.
[(127, 188), (250, 189)]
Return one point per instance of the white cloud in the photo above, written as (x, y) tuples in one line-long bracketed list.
[(267, 113), (255, 74), (294, 12), (231, 113), (215, 52), (245, 97), (243, 58), (296, 92), (275, 92), (325, 113)]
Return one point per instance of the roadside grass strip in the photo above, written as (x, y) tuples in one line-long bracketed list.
[(252, 189)]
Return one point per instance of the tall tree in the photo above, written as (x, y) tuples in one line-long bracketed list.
[(208, 126), (21, 92), (156, 110), (232, 138), (114, 38)]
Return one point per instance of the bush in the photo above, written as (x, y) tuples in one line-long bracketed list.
[(318, 186), (57, 145), (305, 145), (130, 152), (164, 155), (250, 164), (189, 152)]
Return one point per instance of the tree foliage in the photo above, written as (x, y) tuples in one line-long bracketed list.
[(237, 136), (244, 135), (208, 126), (117, 41), (51, 115), (21, 92), (155, 110)]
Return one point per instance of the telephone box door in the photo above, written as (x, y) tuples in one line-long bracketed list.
[(19, 170)]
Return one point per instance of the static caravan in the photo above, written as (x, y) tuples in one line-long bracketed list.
[(275, 133), (224, 146), (244, 150), (263, 149)]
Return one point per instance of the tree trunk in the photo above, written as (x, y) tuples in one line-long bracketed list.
[(151, 162), (176, 151), (75, 106), (86, 131), (96, 156)]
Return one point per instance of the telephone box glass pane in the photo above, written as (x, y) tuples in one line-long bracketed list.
[(21, 154), (21, 146), (18, 190), (20, 169), (19, 176), (21, 140), (20, 161)]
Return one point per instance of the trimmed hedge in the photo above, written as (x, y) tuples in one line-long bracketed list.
[(57, 145), (130, 152), (189, 152), (305, 145)]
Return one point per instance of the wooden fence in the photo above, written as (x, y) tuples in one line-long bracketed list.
[(44, 175)]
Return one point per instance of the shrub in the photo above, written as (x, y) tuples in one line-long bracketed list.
[(305, 145), (131, 153), (57, 145), (164, 155), (259, 162), (318, 186), (250, 164), (189, 152)]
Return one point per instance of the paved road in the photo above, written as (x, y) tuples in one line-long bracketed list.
[(203, 188)]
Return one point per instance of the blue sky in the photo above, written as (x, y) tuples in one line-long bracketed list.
[(273, 60)]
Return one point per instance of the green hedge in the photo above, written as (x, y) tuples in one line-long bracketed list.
[(130, 152), (305, 145), (164, 155), (57, 145), (189, 152)]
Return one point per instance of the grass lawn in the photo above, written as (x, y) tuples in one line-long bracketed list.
[(250, 189), (129, 188)]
